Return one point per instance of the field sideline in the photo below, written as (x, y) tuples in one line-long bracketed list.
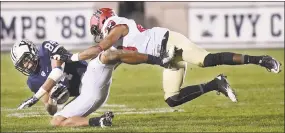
[(136, 98)]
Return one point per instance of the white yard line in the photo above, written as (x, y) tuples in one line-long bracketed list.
[(38, 111), (118, 109)]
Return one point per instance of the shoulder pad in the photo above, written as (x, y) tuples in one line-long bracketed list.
[(50, 46)]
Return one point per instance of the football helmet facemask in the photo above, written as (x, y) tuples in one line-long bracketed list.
[(24, 55), (97, 21)]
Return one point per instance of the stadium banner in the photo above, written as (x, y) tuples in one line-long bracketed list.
[(236, 24), (69, 26)]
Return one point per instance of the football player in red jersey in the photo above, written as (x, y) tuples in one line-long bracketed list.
[(108, 28)]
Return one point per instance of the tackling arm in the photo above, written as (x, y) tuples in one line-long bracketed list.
[(115, 34), (125, 56), (133, 58)]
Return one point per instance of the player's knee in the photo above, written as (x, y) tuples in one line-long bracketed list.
[(57, 121)]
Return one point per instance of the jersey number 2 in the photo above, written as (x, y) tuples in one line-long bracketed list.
[(140, 28)]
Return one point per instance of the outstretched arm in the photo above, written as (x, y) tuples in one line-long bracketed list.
[(92, 52), (129, 57)]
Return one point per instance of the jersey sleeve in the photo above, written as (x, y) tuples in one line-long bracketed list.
[(34, 84), (49, 47), (111, 23)]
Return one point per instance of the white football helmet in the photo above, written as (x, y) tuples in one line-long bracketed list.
[(24, 55)]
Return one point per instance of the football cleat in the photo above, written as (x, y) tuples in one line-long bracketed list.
[(224, 87), (108, 114), (106, 119), (270, 64), (105, 122)]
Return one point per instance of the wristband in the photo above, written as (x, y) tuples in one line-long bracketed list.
[(75, 57), (56, 74), (100, 48), (40, 93)]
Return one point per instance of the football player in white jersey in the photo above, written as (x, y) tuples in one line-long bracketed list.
[(109, 28)]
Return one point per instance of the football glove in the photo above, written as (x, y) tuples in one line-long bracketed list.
[(168, 56), (62, 54), (28, 103), (60, 95)]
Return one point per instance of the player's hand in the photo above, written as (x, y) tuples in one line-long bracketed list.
[(28, 103), (62, 54), (58, 93)]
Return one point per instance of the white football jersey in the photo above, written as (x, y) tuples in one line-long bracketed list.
[(147, 41)]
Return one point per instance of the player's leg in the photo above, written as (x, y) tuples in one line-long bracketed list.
[(94, 92), (190, 52), (77, 121), (228, 58), (194, 54), (189, 93), (172, 81), (174, 95)]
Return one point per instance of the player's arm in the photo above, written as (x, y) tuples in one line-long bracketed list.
[(55, 75), (129, 57), (115, 34), (51, 105)]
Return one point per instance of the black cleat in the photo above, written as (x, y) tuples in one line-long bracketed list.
[(105, 122), (224, 87), (270, 64), (106, 119), (108, 114)]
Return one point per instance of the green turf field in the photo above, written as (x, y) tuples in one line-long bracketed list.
[(136, 98)]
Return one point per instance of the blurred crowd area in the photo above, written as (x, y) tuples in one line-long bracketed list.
[(172, 15), (175, 15)]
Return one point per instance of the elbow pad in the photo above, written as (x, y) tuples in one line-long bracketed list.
[(56, 74)]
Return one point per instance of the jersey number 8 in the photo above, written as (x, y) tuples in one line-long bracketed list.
[(49, 47)]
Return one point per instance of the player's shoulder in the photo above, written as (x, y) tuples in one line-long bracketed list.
[(113, 22), (48, 43), (49, 46), (117, 18), (34, 82)]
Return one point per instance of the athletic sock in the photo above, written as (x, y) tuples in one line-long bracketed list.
[(154, 60), (252, 59), (191, 92), (228, 58)]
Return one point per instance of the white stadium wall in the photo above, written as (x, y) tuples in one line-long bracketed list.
[(236, 24), (64, 22), (209, 24)]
